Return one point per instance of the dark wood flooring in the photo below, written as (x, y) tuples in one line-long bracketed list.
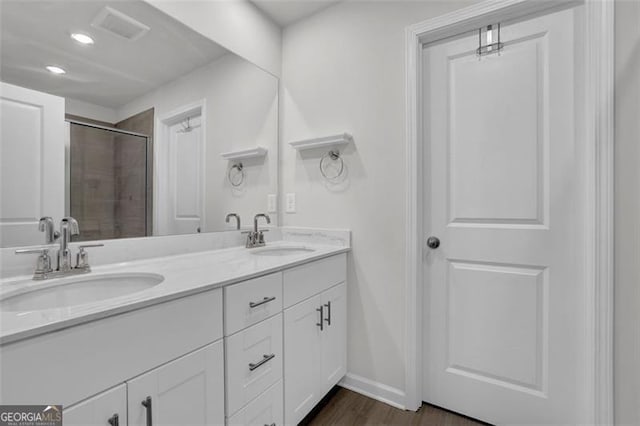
[(344, 407)]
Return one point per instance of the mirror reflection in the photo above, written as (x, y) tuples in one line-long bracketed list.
[(130, 122)]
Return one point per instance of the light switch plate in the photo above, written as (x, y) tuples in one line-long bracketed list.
[(290, 203), (272, 203)]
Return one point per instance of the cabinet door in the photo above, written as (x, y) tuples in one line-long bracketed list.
[(187, 391), (104, 409), (334, 336), (302, 354)]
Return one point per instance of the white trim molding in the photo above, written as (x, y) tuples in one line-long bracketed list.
[(378, 391), (599, 230)]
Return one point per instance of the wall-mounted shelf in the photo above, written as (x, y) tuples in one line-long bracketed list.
[(243, 154), (327, 141)]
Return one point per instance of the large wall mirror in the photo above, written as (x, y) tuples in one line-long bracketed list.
[(132, 123)]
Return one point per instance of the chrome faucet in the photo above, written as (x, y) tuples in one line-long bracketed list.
[(236, 216), (255, 238), (68, 228), (46, 225)]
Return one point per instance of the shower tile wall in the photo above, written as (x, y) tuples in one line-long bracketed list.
[(93, 186), (110, 180)]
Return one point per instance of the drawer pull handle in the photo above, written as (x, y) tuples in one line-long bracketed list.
[(272, 424), (328, 319), (321, 323), (265, 359), (114, 420), (147, 404), (262, 302)]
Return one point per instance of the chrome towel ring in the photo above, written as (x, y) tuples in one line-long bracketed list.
[(331, 165), (236, 175)]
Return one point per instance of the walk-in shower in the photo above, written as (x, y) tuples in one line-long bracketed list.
[(109, 181)]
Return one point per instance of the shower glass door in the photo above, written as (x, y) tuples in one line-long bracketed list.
[(109, 182)]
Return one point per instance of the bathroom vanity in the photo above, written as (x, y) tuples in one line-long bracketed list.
[(229, 336)]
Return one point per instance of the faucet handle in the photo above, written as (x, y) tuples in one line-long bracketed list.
[(43, 267), (82, 258)]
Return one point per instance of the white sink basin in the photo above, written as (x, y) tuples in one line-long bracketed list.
[(79, 290), (281, 251)]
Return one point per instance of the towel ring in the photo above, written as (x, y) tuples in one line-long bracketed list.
[(325, 165), (236, 174)]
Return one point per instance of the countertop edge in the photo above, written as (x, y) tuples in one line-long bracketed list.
[(36, 331)]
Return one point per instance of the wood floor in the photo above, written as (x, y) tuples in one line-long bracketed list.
[(343, 407)]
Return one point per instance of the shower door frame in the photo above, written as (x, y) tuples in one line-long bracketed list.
[(598, 90), (149, 188)]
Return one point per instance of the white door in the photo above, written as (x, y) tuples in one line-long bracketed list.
[(334, 336), (104, 409), (186, 177), (503, 292), (188, 391), (32, 141), (303, 359)]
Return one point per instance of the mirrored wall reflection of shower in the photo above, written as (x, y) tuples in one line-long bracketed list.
[(109, 181)]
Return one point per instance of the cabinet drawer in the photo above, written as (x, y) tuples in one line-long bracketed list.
[(267, 409), (307, 280), (252, 301), (254, 362)]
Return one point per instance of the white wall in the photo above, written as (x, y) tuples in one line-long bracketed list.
[(241, 112), (343, 71), (627, 215), (236, 25), (88, 110)]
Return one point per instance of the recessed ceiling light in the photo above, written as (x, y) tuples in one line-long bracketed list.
[(55, 70), (82, 38)]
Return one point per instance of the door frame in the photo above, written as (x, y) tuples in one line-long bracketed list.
[(599, 137), (161, 158)]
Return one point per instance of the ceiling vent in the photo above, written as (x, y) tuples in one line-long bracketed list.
[(119, 24)]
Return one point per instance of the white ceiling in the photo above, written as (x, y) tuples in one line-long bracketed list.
[(110, 73), (286, 12)]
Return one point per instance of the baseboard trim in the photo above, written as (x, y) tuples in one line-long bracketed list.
[(378, 391)]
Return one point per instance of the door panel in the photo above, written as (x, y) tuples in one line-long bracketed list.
[(495, 167), (502, 327), (334, 336), (31, 163), (186, 150), (303, 355), (188, 391)]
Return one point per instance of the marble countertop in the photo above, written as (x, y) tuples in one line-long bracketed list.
[(184, 275)]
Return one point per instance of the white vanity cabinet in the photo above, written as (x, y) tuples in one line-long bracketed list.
[(106, 408), (315, 333), (171, 351), (285, 342), (187, 391), (253, 344), (263, 351)]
